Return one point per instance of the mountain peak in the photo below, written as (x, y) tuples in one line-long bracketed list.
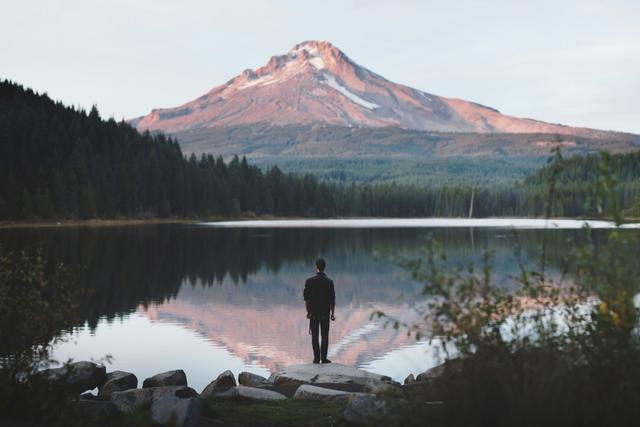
[(315, 82), (320, 54), (313, 44), (316, 48)]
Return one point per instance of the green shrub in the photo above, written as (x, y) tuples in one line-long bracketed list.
[(548, 347), (36, 302)]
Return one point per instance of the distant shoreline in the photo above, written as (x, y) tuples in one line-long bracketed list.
[(97, 223), (92, 223), (124, 221)]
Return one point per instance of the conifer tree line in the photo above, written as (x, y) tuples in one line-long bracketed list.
[(59, 162)]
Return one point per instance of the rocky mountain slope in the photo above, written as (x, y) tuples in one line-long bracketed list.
[(315, 82), (262, 140)]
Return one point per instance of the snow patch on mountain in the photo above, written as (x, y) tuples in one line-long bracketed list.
[(317, 62), (329, 80), (260, 81), (310, 47), (289, 70)]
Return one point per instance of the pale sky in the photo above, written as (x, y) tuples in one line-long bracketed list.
[(575, 62)]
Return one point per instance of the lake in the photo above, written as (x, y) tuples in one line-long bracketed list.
[(210, 297)]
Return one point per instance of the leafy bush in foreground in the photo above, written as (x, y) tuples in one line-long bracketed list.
[(548, 347), (36, 302)]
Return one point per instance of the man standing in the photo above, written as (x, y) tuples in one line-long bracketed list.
[(320, 301)]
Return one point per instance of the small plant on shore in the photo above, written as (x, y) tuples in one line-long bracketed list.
[(36, 302)]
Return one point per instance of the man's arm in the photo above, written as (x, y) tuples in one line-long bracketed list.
[(305, 295), (333, 302)]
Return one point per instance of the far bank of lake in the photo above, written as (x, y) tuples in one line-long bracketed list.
[(297, 222)]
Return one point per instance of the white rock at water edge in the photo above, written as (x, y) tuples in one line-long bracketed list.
[(333, 373), (251, 393)]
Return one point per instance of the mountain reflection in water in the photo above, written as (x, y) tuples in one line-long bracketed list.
[(206, 299)]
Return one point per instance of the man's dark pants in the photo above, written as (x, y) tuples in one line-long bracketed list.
[(322, 323)]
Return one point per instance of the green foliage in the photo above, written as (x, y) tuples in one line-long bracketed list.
[(36, 302), (240, 411), (624, 167), (545, 347), (490, 172), (586, 185), (59, 162), (315, 141)]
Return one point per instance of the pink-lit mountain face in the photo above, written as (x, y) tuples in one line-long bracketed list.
[(316, 83)]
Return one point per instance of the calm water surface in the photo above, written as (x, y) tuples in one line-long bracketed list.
[(206, 299)]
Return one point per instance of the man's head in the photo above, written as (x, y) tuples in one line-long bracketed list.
[(320, 264)]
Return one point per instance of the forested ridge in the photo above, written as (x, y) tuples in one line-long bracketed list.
[(59, 162), (586, 184), (624, 167)]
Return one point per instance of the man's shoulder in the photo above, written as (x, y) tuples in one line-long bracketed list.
[(318, 278)]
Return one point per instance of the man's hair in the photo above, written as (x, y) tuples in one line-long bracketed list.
[(321, 264)]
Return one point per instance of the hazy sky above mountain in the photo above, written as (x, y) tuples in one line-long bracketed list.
[(573, 62)]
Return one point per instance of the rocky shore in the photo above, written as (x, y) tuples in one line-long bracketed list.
[(367, 398)]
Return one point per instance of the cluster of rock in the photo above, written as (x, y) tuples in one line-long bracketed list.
[(171, 401), (370, 398)]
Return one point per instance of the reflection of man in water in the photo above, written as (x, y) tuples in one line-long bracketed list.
[(320, 301)]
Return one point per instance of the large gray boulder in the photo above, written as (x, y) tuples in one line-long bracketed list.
[(367, 409), (169, 378), (253, 393), (251, 380), (311, 392), (333, 373), (219, 386), (77, 376), (117, 381), (176, 412), (130, 400), (259, 393)]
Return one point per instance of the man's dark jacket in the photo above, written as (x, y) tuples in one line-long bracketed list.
[(319, 291)]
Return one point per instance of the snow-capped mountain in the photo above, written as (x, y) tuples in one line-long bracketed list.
[(315, 82)]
